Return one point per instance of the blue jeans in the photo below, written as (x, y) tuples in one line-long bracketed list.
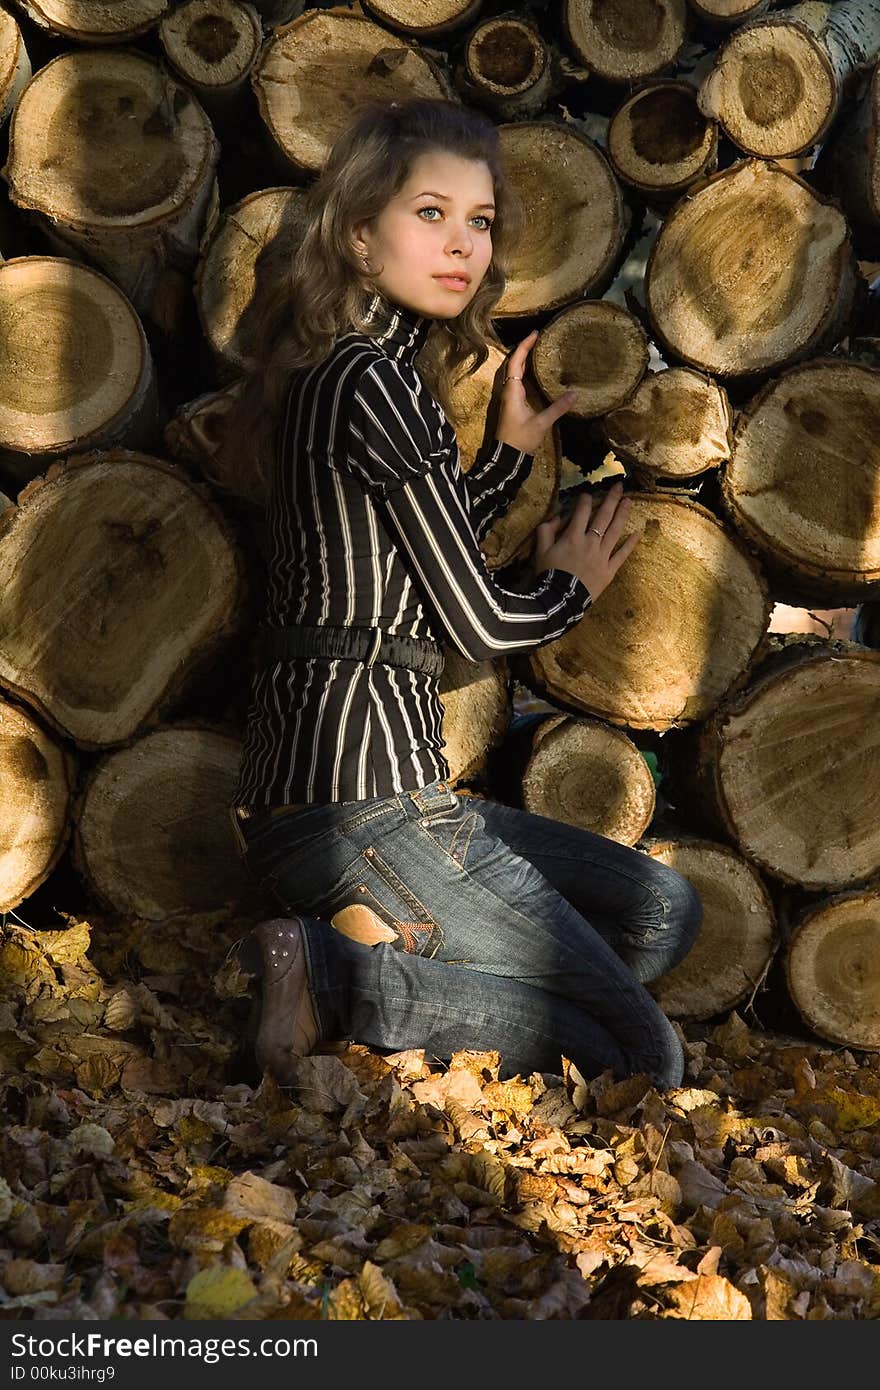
[(502, 930)]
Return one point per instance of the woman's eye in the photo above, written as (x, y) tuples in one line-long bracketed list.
[(480, 217)]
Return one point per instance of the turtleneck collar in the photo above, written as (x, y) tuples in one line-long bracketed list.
[(401, 331)]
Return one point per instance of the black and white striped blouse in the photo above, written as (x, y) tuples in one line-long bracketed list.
[(374, 523)]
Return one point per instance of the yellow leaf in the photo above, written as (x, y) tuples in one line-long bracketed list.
[(217, 1292), (709, 1298), (379, 1294), (252, 1196), (194, 1229)]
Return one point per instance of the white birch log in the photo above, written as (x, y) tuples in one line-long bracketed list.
[(779, 81)]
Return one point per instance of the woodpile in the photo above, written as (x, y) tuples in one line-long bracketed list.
[(699, 255)]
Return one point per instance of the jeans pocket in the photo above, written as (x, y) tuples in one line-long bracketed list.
[(453, 830), (376, 905)]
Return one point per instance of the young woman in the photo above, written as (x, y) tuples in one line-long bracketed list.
[(415, 917)]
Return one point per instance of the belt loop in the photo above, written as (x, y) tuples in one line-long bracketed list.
[(374, 650)]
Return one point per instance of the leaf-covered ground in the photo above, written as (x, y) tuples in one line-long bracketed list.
[(141, 1178)]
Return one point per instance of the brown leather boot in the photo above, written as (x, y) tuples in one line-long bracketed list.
[(288, 1027)]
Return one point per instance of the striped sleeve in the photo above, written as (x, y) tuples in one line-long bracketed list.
[(493, 480), (428, 517), (392, 448), (389, 438)]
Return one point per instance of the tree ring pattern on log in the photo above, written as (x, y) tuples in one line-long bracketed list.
[(798, 767), (833, 969)]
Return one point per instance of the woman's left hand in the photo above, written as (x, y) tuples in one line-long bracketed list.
[(518, 424)]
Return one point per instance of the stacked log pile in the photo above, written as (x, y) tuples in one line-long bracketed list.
[(702, 232)]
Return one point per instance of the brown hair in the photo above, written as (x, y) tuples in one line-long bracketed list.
[(324, 290)]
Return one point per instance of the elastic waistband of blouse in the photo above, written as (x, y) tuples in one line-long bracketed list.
[(366, 644)]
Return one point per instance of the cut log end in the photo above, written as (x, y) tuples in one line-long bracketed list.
[(751, 271), (153, 836), (212, 43), (659, 141), (681, 623), (245, 259), (833, 969), (36, 776), (428, 19), (773, 89), (338, 51), (804, 481), (737, 937), (625, 40), (677, 424), (597, 349), (505, 55), (584, 773), (511, 534), (476, 712), (575, 220), (796, 760), (74, 360), (106, 139), (126, 559)]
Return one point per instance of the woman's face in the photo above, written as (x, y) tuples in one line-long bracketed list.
[(439, 224)]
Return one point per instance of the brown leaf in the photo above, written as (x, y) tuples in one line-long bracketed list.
[(251, 1196), (710, 1298)]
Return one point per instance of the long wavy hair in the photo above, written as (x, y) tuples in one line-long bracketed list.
[(325, 291)]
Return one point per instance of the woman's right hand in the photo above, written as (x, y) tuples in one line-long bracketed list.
[(584, 546)]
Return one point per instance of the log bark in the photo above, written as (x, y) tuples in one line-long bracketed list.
[(94, 21), (737, 939), (476, 712), (803, 483), (659, 142), (115, 162), (424, 19), (677, 425), (625, 40), (212, 46), (152, 836), (194, 435), (832, 968), (575, 217), (333, 51), (15, 65), (586, 773), (244, 258), (118, 578), (778, 82), (595, 348), (681, 623), (752, 271), (866, 625), (75, 367), (791, 764), (851, 161), (37, 775), (506, 68)]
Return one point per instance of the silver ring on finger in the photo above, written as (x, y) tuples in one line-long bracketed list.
[(512, 378), (600, 534)]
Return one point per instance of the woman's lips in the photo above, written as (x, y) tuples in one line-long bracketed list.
[(452, 282)]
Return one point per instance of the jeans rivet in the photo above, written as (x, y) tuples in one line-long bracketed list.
[(424, 822), (362, 888), (368, 853)]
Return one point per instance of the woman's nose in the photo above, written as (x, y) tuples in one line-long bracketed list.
[(460, 238)]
